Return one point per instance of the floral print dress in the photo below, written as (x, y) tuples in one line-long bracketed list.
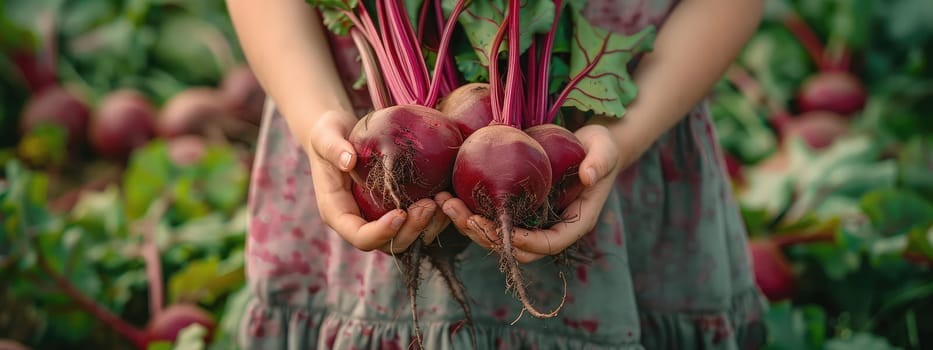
[(670, 267)]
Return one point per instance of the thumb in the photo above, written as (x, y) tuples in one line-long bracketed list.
[(600, 153), (331, 144)]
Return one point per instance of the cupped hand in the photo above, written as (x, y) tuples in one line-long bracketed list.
[(598, 171), (332, 157)]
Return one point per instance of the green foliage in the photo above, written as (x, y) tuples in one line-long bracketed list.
[(96, 246), (867, 287)]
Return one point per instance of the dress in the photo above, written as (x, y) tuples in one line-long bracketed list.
[(671, 270)]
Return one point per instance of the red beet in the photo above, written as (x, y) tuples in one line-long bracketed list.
[(773, 273), (405, 153), (565, 153), (734, 168), (469, 107), (125, 120), (166, 325), (833, 91), (192, 111), (371, 205), (242, 94), (59, 106), (817, 128), (502, 172)]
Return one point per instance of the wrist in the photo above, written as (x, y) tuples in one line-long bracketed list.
[(305, 126), (630, 134)]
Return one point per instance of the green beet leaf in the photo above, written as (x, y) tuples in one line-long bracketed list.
[(600, 57), (482, 18), (147, 176), (895, 212)]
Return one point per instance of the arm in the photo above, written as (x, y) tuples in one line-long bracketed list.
[(285, 44), (692, 50), (700, 39), (286, 47)]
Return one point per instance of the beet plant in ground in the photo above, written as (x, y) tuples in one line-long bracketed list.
[(125, 120), (93, 266), (242, 94), (834, 88), (522, 167), (60, 106), (819, 128)]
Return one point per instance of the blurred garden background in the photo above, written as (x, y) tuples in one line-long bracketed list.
[(126, 137)]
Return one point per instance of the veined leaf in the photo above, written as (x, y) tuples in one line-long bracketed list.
[(482, 19), (894, 212), (600, 58)]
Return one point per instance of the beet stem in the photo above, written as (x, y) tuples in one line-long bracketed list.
[(543, 74), (128, 331), (531, 112), (151, 254), (515, 275), (752, 90), (375, 82), (405, 94), (495, 84), (443, 50), (451, 80), (409, 50), (805, 35), (422, 17), (513, 83)]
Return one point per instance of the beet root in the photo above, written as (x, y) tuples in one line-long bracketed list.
[(469, 106), (773, 273), (56, 105), (166, 325), (502, 168), (243, 94), (833, 91), (192, 112), (125, 120), (565, 153), (503, 174), (405, 153)]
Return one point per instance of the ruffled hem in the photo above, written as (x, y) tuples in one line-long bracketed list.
[(283, 327), (740, 327), (292, 328)]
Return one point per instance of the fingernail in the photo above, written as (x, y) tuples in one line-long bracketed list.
[(591, 173), (426, 212), (345, 159), (449, 210), (398, 221)]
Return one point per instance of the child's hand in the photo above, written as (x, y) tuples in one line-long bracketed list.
[(332, 157), (597, 172)]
